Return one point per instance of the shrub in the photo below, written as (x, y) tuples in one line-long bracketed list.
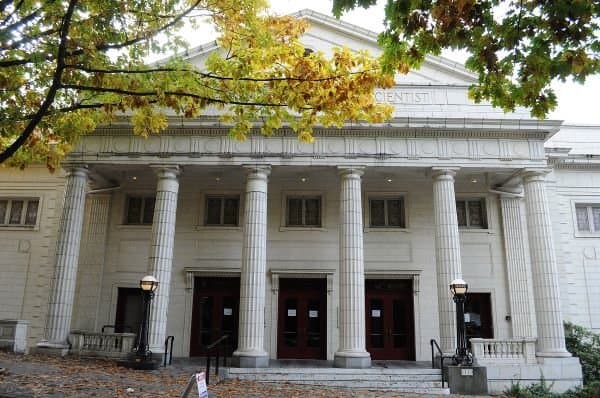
[(538, 390), (585, 345), (591, 390)]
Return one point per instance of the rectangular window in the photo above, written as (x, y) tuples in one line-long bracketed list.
[(19, 212), (303, 211), (386, 212), (222, 210), (588, 218), (140, 210), (471, 213)]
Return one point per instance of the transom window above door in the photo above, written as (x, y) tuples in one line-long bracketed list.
[(140, 210), (222, 210), (303, 211), (386, 212), (18, 212), (471, 213)]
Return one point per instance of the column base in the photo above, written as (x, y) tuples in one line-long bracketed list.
[(250, 360), (352, 360), (48, 348), (553, 354)]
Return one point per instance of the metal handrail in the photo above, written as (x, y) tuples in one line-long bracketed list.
[(170, 352), (433, 343), (216, 346)]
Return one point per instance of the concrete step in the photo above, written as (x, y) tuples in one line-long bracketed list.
[(283, 376), (417, 380)]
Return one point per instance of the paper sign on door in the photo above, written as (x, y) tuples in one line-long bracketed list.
[(227, 311), (313, 314), (376, 313), (291, 312)]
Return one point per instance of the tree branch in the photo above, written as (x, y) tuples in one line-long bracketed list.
[(80, 87), (210, 75), (60, 66)]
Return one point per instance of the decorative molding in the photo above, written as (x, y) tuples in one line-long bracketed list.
[(422, 147), (414, 275), (192, 272)]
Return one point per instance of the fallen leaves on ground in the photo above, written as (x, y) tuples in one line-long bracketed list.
[(46, 376)]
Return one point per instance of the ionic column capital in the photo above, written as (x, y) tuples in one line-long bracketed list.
[(169, 172), (444, 173), (257, 170), (534, 174), (351, 171), (77, 170)]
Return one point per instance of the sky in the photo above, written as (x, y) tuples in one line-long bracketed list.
[(577, 104)]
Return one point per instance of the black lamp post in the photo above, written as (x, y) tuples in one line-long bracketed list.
[(141, 357), (459, 288)]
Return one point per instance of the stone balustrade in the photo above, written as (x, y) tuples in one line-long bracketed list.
[(503, 351), (13, 335), (95, 344)]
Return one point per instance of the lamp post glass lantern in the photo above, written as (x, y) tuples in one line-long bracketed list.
[(142, 353), (459, 288)]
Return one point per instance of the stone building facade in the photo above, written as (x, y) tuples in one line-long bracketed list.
[(340, 250)]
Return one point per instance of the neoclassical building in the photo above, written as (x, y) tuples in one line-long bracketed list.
[(339, 250)]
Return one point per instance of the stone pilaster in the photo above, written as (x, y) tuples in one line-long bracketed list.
[(91, 261), (447, 252), (250, 352), (160, 259), (352, 351), (517, 268), (546, 291), (60, 309)]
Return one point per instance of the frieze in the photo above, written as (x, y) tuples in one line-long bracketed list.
[(349, 147)]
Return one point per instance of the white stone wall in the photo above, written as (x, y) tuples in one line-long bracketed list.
[(578, 253), (26, 254)]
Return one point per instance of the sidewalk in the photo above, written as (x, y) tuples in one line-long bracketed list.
[(43, 376)]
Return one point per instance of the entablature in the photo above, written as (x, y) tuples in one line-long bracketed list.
[(377, 145)]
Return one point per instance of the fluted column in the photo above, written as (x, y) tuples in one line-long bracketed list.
[(546, 290), (352, 351), (160, 259), (447, 252), (67, 256), (250, 352), (517, 267)]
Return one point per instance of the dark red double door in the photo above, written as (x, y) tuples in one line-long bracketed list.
[(302, 319), (214, 313), (390, 319)]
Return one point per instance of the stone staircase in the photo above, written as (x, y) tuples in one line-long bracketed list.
[(415, 380)]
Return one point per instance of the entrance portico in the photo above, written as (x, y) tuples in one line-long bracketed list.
[(375, 182)]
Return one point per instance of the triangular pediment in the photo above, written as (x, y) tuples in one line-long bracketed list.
[(327, 33), (439, 89)]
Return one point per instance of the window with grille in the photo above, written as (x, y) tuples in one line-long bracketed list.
[(222, 210), (19, 212), (303, 211), (588, 218), (386, 212), (140, 210), (471, 213)]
